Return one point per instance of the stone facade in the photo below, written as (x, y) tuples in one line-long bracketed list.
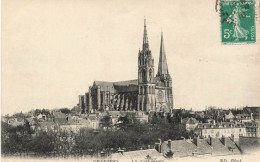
[(227, 129), (147, 93)]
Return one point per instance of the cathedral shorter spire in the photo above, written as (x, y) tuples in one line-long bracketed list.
[(162, 67)]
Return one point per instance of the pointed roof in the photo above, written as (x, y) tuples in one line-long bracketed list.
[(145, 38), (162, 67)]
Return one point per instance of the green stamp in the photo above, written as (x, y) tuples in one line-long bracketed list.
[(238, 21)]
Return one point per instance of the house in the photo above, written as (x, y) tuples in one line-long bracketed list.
[(227, 129), (94, 121), (141, 116), (14, 121), (59, 117), (219, 114), (229, 116), (251, 129), (32, 123), (76, 110), (47, 126), (115, 115), (199, 147), (200, 114), (189, 123), (244, 117), (254, 110), (42, 116), (74, 124)]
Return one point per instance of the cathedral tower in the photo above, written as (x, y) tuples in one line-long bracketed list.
[(164, 75), (146, 94)]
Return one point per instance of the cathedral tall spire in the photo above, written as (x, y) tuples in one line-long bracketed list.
[(162, 67), (145, 38)]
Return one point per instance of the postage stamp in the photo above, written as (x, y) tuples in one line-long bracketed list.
[(238, 21)]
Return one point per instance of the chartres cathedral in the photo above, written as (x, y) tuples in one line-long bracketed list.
[(148, 93)]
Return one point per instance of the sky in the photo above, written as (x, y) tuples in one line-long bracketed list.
[(53, 50)]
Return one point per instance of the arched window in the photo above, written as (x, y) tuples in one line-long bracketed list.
[(141, 90), (140, 75), (143, 76), (150, 74)]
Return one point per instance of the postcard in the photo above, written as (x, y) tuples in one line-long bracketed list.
[(137, 81)]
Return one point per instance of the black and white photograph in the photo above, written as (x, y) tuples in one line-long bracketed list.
[(137, 81)]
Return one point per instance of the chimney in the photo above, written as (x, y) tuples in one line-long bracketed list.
[(210, 140), (170, 144), (158, 144), (195, 141), (120, 151), (214, 122), (223, 140), (232, 137)]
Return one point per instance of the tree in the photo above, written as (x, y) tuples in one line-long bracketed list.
[(84, 142), (15, 139), (128, 122), (44, 143), (106, 121), (65, 110)]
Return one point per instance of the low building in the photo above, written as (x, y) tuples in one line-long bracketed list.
[(229, 116), (14, 121), (114, 115), (32, 123), (42, 116), (76, 110), (190, 123), (244, 117), (254, 110), (74, 125), (251, 129), (227, 129), (94, 121), (47, 126), (200, 114)]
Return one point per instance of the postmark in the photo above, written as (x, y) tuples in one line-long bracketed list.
[(238, 21)]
